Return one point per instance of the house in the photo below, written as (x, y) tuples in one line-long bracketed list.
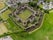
[(46, 6)]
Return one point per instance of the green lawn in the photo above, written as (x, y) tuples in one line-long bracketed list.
[(44, 33), (25, 14), (5, 14), (12, 26)]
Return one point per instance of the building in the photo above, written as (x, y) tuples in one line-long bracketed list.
[(45, 6), (23, 1), (14, 2), (6, 38), (50, 5), (11, 3), (40, 1)]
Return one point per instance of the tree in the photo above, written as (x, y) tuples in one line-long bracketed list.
[(33, 4), (38, 7), (1, 19), (19, 3), (46, 11)]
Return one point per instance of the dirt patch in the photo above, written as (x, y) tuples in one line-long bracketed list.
[(3, 29)]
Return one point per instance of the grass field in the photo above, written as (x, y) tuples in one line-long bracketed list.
[(4, 15), (44, 33), (12, 26), (3, 29), (2, 5), (25, 14)]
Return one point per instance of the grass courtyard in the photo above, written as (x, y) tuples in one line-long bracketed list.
[(25, 14), (44, 33)]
